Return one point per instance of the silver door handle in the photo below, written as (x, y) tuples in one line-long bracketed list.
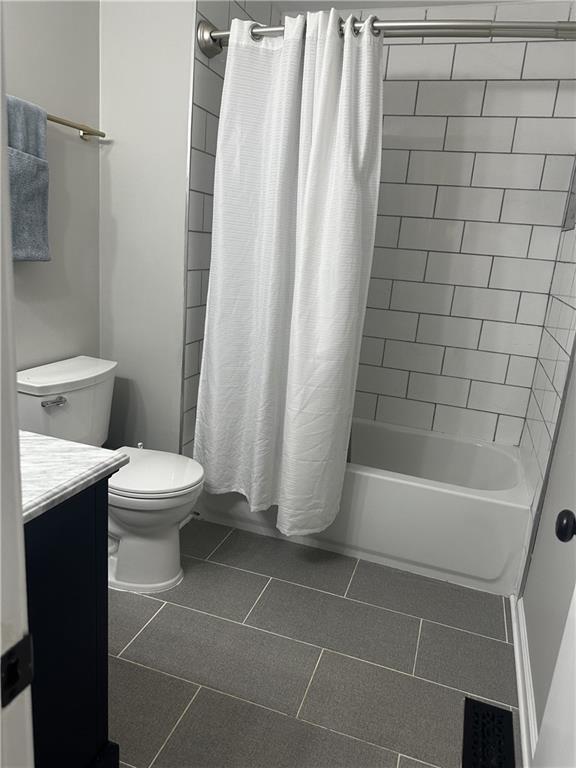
[(57, 401)]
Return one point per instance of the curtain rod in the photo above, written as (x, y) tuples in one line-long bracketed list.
[(85, 130), (210, 39)]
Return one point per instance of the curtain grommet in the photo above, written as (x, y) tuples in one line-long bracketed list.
[(375, 32), (355, 20), (256, 37)]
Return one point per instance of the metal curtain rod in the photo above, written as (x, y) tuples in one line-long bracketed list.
[(211, 39), (85, 131)]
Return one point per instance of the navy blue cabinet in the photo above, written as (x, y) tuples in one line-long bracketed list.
[(66, 569)]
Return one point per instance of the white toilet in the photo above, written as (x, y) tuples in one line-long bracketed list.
[(148, 499)]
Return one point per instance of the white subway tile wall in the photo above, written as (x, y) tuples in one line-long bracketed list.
[(478, 148), (552, 363), (478, 145)]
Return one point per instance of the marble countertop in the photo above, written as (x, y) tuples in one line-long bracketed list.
[(53, 470)]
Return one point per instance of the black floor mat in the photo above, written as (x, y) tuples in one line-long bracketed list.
[(488, 736)]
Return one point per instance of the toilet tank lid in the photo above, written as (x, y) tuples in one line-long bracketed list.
[(64, 375)]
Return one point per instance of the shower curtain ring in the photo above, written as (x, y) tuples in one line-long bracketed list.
[(253, 34), (355, 20)]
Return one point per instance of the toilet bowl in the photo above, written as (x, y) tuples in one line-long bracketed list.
[(147, 501)]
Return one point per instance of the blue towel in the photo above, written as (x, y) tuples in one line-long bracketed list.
[(28, 175)]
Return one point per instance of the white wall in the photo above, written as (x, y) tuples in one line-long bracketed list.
[(52, 59), (146, 81)]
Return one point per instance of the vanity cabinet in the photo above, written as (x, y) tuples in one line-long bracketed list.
[(66, 569)]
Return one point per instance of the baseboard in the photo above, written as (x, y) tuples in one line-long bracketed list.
[(526, 703)]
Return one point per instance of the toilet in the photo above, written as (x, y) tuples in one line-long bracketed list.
[(148, 499)]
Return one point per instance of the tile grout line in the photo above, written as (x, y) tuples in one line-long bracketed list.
[(352, 577), (230, 532), (349, 736), (417, 648), (176, 724), (342, 597), (162, 672), (141, 630), (256, 601), (309, 683)]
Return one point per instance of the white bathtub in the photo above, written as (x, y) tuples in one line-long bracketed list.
[(420, 501)]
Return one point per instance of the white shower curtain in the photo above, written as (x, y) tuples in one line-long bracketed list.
[(295, 199)]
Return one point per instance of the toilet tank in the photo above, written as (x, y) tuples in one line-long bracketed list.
[(70, 399)]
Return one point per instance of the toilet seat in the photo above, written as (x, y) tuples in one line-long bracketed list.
[(153, 505), (150, 496), (155, 475)]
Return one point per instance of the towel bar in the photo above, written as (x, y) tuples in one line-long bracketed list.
[(85, 131)]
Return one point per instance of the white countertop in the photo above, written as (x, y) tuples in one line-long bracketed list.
[(53, 470)]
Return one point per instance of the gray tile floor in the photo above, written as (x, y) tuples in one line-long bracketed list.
[(274, 655)]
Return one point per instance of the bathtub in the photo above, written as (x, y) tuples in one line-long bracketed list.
[(437, 505)]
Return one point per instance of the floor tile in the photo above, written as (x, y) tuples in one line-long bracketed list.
[(339, 624), (216, 589), (429, 599), (471, 663), (199, 538), (508, 612), (127, 614), (408, 762), (308, 566), (245, 662), (397, 711), (221, 731), (144, 706)]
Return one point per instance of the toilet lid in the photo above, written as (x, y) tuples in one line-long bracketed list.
[(154, 473)]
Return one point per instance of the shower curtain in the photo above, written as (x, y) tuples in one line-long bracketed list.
[(295, 202)]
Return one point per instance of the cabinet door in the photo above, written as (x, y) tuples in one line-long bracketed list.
[(67, 600)]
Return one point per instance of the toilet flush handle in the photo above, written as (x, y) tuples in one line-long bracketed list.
[(57, 401)]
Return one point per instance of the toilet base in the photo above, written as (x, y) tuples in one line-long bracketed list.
[(126, 586), (144, 563)]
